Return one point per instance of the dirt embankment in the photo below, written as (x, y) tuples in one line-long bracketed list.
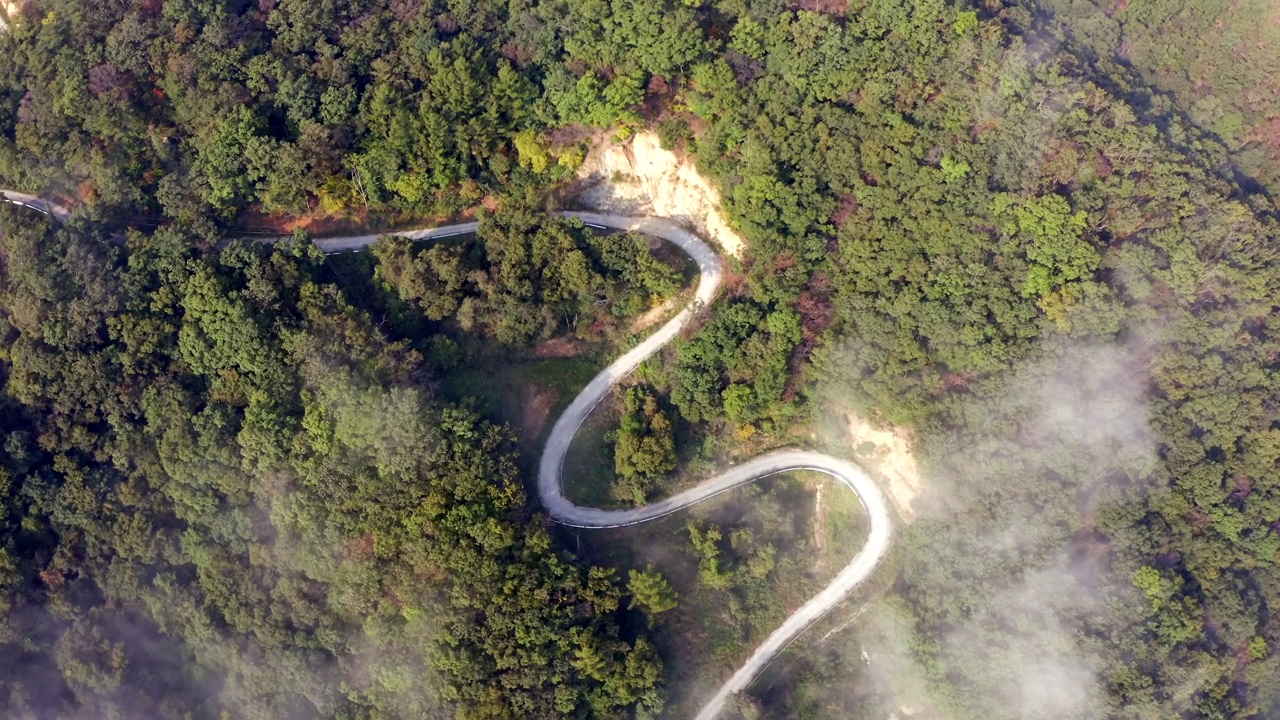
[(638, 177), (888, 453), (9, 11)]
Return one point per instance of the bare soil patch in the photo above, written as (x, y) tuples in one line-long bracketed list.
[(650, 317), (535, 409), (818, 529), (561, 347), (830, 7), (638, 176), (888, 453)]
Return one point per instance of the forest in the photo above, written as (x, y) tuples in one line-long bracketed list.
[(245, 480)]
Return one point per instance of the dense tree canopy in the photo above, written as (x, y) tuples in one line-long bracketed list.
[(220, 474), (1034, 233)]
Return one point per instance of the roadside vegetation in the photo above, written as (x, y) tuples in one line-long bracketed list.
[(1036, 234), (739, 564)]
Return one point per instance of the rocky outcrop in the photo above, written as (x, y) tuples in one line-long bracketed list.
[(639, 177)]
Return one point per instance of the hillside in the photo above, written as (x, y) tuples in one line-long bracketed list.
[(1034, 239)]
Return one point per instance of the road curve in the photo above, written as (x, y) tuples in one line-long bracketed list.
[(38, 204), (550, 467), (550, 487)]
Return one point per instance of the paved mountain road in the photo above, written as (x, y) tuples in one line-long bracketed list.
[(38, 204), (550, 486)]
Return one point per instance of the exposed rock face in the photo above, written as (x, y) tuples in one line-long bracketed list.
[(9, 10), (639, 177)]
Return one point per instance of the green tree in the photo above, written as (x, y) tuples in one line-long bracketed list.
[(644, 447), (651, 593)]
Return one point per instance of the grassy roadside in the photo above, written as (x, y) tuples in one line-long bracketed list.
[(588, 466)]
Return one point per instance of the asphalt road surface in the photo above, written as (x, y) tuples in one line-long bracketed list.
[(38, 204)]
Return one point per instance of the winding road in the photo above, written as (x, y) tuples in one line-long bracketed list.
[(550, 468), (550, 486)]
